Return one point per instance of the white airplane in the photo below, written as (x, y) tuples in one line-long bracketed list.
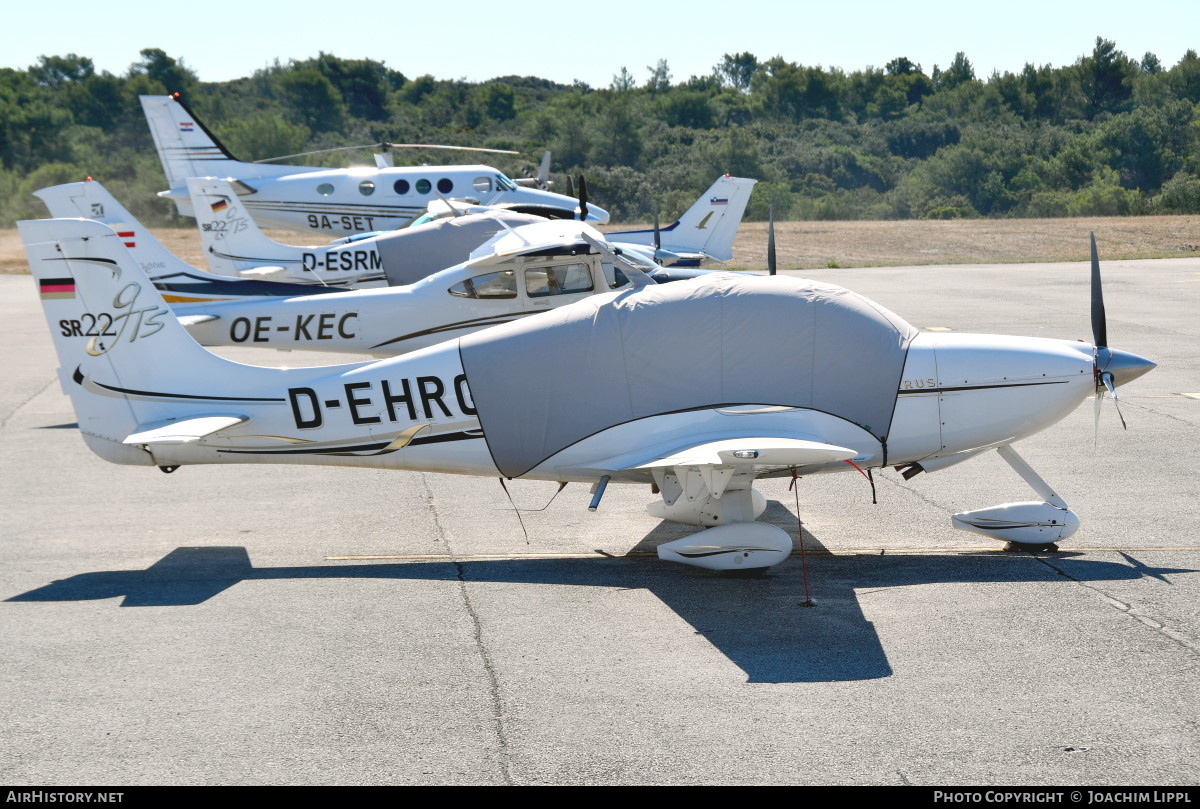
[(233, 243), (521, 272), (533, 265), (697, 387), (341, 201), (704, 233), (238, 251)]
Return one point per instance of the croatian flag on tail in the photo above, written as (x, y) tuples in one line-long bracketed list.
[(186, 126)]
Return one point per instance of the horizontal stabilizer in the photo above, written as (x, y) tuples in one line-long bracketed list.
[(760, 453), (196, 320), (264, 273), (183, 432)]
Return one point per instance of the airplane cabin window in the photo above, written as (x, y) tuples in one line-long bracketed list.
[(613, 275), (325, 189), (482, 184), (423, 186), (445, 186), (366, 188), (400, 186), (563, 279), (495, 285)]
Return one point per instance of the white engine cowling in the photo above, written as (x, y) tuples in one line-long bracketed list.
[(739, 546), (1028, 522)]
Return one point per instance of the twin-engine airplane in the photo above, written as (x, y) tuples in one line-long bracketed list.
[(697, 388), (341, 201)]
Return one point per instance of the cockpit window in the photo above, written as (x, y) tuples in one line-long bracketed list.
[(483, 184), (494, 285), (505, 184), (563, 279)]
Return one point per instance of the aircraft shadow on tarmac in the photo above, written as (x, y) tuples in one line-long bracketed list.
[(759, 624)]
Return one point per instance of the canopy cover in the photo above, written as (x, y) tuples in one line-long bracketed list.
[(543, 383), (410, 254)]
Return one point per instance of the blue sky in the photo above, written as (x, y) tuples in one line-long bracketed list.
[(563, 41)]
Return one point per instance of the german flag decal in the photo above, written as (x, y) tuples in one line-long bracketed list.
[(51, 288)]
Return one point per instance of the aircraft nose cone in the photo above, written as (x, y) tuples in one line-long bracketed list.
[(1126, 367)]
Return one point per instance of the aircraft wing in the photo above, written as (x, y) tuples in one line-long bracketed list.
[(758, 454), (186, 431), (714, 466)]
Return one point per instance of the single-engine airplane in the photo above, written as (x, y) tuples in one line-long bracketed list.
[(518, 273), (237, 249), (696, 388), (436, 286), (234, 245), (341, 201)]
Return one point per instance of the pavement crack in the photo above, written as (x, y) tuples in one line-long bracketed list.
[(1129, 609), (1159, 413), (498, 716), (497, 702), (904, 779), (30, 398)]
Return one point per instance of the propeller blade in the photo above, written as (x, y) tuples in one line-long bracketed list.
[(1107, 379), (771, 268), (570, 186), (543, 173), (657, 236), (384, 147), (582, 199), (1099, 323)]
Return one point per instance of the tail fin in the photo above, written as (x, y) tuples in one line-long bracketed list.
[(187, 148), (91, 200), (125, 361), (231, 240), (706, 228)]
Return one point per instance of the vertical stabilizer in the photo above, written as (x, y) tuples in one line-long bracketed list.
[(91, 200), (187, 148), (125, 360)]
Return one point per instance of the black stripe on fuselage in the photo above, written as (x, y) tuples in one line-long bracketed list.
[(911, 391)]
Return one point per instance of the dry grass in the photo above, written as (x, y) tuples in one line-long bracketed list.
[(805, 245)]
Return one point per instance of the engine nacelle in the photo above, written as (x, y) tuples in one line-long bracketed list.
[(739, 546), (1028, 522)]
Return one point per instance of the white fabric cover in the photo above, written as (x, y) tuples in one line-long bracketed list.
[(545, 382)]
